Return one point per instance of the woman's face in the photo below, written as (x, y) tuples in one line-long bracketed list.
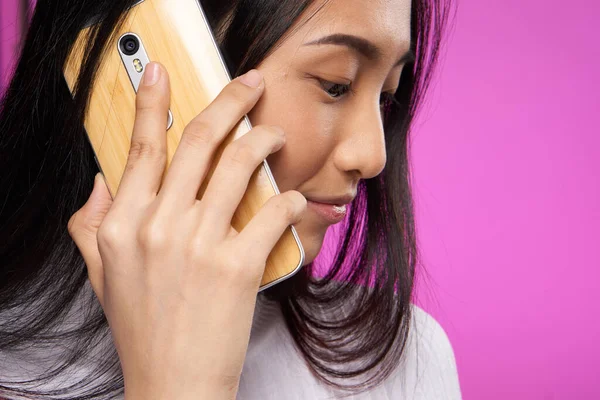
[(327, 99)]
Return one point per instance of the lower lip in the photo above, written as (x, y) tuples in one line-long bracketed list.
[(332, 214)]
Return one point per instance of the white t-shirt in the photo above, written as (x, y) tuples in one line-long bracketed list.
[(274, 370)]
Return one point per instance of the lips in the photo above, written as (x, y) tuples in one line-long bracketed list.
[(340, 208), (334, 201), (331, 213)]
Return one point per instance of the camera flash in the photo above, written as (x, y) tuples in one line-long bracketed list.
[(138, 65)]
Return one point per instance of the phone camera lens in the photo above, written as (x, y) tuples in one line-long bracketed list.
[(129, 45)]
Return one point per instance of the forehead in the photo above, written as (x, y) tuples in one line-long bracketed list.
[(384, 22)]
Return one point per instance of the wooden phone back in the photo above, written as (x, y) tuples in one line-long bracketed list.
[(176, 34)]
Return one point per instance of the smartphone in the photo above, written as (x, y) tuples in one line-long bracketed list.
[(177, 34)]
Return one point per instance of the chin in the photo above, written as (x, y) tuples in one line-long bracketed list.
[(312, 240)]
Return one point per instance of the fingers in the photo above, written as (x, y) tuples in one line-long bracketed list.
[(83, 226), (148, 152), (204, 134), (262, 233), (230, 179)]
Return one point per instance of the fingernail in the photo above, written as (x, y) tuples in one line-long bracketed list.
[(151, 74), (252, 78)]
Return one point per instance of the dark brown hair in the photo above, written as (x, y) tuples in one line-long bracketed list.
[(47, 174)]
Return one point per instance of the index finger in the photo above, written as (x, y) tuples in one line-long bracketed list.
[(148, 151)]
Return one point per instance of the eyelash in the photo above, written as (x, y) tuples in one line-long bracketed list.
[(387, 100)]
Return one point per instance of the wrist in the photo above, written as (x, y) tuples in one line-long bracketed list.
[(199, 392)]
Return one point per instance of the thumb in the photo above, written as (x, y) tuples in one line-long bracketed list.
[(83, 226)]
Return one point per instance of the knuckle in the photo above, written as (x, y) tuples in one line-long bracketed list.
[(298, 199), (198, 251), (276, 132), (285, 206), (72, 223), (236, 94), (199, 134), (152, 235), (144, 148), (242, 153), (147, 99), (110, 233), (80, 223)]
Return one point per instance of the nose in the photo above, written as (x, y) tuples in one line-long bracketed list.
[(361, 141)]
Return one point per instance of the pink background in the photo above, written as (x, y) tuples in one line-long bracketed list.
[(507, 186)]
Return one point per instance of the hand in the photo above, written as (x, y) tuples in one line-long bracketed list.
[(177, 283)]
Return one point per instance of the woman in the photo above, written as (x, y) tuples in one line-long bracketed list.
[(331, 88)]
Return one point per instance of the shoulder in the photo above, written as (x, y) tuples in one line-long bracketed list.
[(432, 338), (428, 370)]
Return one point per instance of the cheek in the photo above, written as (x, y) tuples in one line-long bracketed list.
[(309, 138)]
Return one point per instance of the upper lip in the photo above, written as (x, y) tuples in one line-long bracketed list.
[(339, 200)]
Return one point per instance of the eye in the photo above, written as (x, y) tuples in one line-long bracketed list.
[(335, 89)]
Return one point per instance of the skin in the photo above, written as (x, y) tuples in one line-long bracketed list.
[(176, 282), (332, 143)]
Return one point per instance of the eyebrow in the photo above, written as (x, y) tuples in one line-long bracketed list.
[(361, 46)]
